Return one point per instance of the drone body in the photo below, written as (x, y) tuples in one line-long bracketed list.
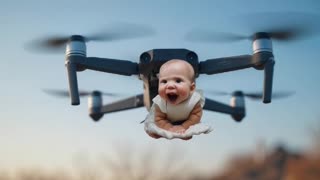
[(147, 68)]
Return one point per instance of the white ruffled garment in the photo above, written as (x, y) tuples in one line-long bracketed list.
[(176, 113)]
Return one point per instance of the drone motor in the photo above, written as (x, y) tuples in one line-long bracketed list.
[(76, 46), (262, 52), (94, 105), (262, 43), (237, 102)]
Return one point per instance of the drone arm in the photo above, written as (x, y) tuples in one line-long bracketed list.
[(212, 105), (121, 67), (73, 83), (129, 103), (262, 59), (237, 113), (220, 65), (78, 62)]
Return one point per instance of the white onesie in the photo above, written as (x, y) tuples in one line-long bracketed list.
[(176, 113)]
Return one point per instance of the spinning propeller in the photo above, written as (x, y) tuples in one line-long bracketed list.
[(264, 27), (114, 32), (280, 26), (82, 93), (255, 95)]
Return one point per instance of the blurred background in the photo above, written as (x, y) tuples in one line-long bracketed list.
[(43, 137)]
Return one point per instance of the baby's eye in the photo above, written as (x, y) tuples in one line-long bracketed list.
[(178, 80), (163, 81)]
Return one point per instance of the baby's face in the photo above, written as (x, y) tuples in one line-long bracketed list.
[(176, 82)]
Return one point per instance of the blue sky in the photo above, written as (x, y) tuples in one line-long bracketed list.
[(36, 129)]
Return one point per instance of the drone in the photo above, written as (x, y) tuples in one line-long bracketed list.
[(147, 69)]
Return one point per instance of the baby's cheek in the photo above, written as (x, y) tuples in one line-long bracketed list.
[(183, 94), (160, 89), (184, 90), (161, 93)]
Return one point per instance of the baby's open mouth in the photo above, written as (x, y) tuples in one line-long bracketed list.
[(172, 97)]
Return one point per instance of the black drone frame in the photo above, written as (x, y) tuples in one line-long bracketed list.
[(147, 69)]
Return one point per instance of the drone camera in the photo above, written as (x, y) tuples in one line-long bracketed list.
[(145, 57), (192, 57)]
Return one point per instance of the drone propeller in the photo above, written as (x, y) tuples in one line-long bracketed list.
[(256, 95), (279, 26), (65, 93), (113, 33)]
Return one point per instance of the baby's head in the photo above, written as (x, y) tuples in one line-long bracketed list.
[(176, 81)]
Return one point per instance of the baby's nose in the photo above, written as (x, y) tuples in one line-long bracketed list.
[(170, 85)]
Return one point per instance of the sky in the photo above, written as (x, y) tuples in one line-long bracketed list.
[(42, 131)]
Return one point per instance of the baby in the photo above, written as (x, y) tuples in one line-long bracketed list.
[(177, 109)]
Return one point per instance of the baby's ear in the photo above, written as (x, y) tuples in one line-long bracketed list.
[(193, 87)]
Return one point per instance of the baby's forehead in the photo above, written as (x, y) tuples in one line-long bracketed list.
[(180, 63), (177, 66)]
